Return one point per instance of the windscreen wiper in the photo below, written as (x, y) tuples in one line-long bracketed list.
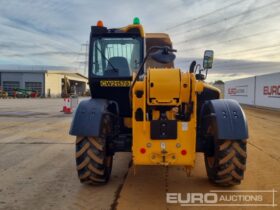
[(102, 54)]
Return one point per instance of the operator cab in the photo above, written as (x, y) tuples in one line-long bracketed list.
[(115, 57), (114, 54)]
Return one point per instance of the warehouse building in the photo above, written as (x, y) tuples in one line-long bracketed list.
[(47, 83)]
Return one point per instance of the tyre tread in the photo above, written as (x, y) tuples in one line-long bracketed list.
[(91, 160)]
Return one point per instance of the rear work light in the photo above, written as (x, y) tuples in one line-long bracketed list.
[(184, 152), (142, 150)]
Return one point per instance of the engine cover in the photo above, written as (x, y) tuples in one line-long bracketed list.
[(163, 87)]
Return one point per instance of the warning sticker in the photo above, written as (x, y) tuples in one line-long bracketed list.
[(184, 126)]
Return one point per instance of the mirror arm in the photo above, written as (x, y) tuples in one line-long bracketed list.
[(197, 67), (141, 69), (206, 73), (192, 67)]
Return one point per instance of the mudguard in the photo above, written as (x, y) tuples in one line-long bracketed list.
[(229, 118), (88, 116)]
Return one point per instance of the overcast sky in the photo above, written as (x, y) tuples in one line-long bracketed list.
[(245, 34)]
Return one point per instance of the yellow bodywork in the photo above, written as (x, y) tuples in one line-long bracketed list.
[(167, 79), (169, 88), (132, 26)]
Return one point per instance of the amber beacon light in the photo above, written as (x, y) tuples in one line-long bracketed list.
[(99, 23)]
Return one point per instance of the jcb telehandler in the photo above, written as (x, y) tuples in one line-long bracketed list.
[(141, 103)]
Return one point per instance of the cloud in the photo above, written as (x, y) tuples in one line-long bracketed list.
[(46, 53), (16, 45), (29, 26), (231, 69), (243, 34)]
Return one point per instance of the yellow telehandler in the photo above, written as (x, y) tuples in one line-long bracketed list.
[(141, 103)]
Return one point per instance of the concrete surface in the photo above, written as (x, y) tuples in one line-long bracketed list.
[(37, 164), (37, 160), (148, 188)]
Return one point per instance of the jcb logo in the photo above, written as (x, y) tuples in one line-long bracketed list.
[(115, 83)]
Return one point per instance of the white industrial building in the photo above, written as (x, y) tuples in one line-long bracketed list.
[(47, 83), (263, 90)]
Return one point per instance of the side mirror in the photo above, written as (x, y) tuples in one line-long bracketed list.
[(208, 59), (163, 55)]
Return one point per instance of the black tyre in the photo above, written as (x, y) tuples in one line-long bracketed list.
[(226, 163), (93, 164)]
